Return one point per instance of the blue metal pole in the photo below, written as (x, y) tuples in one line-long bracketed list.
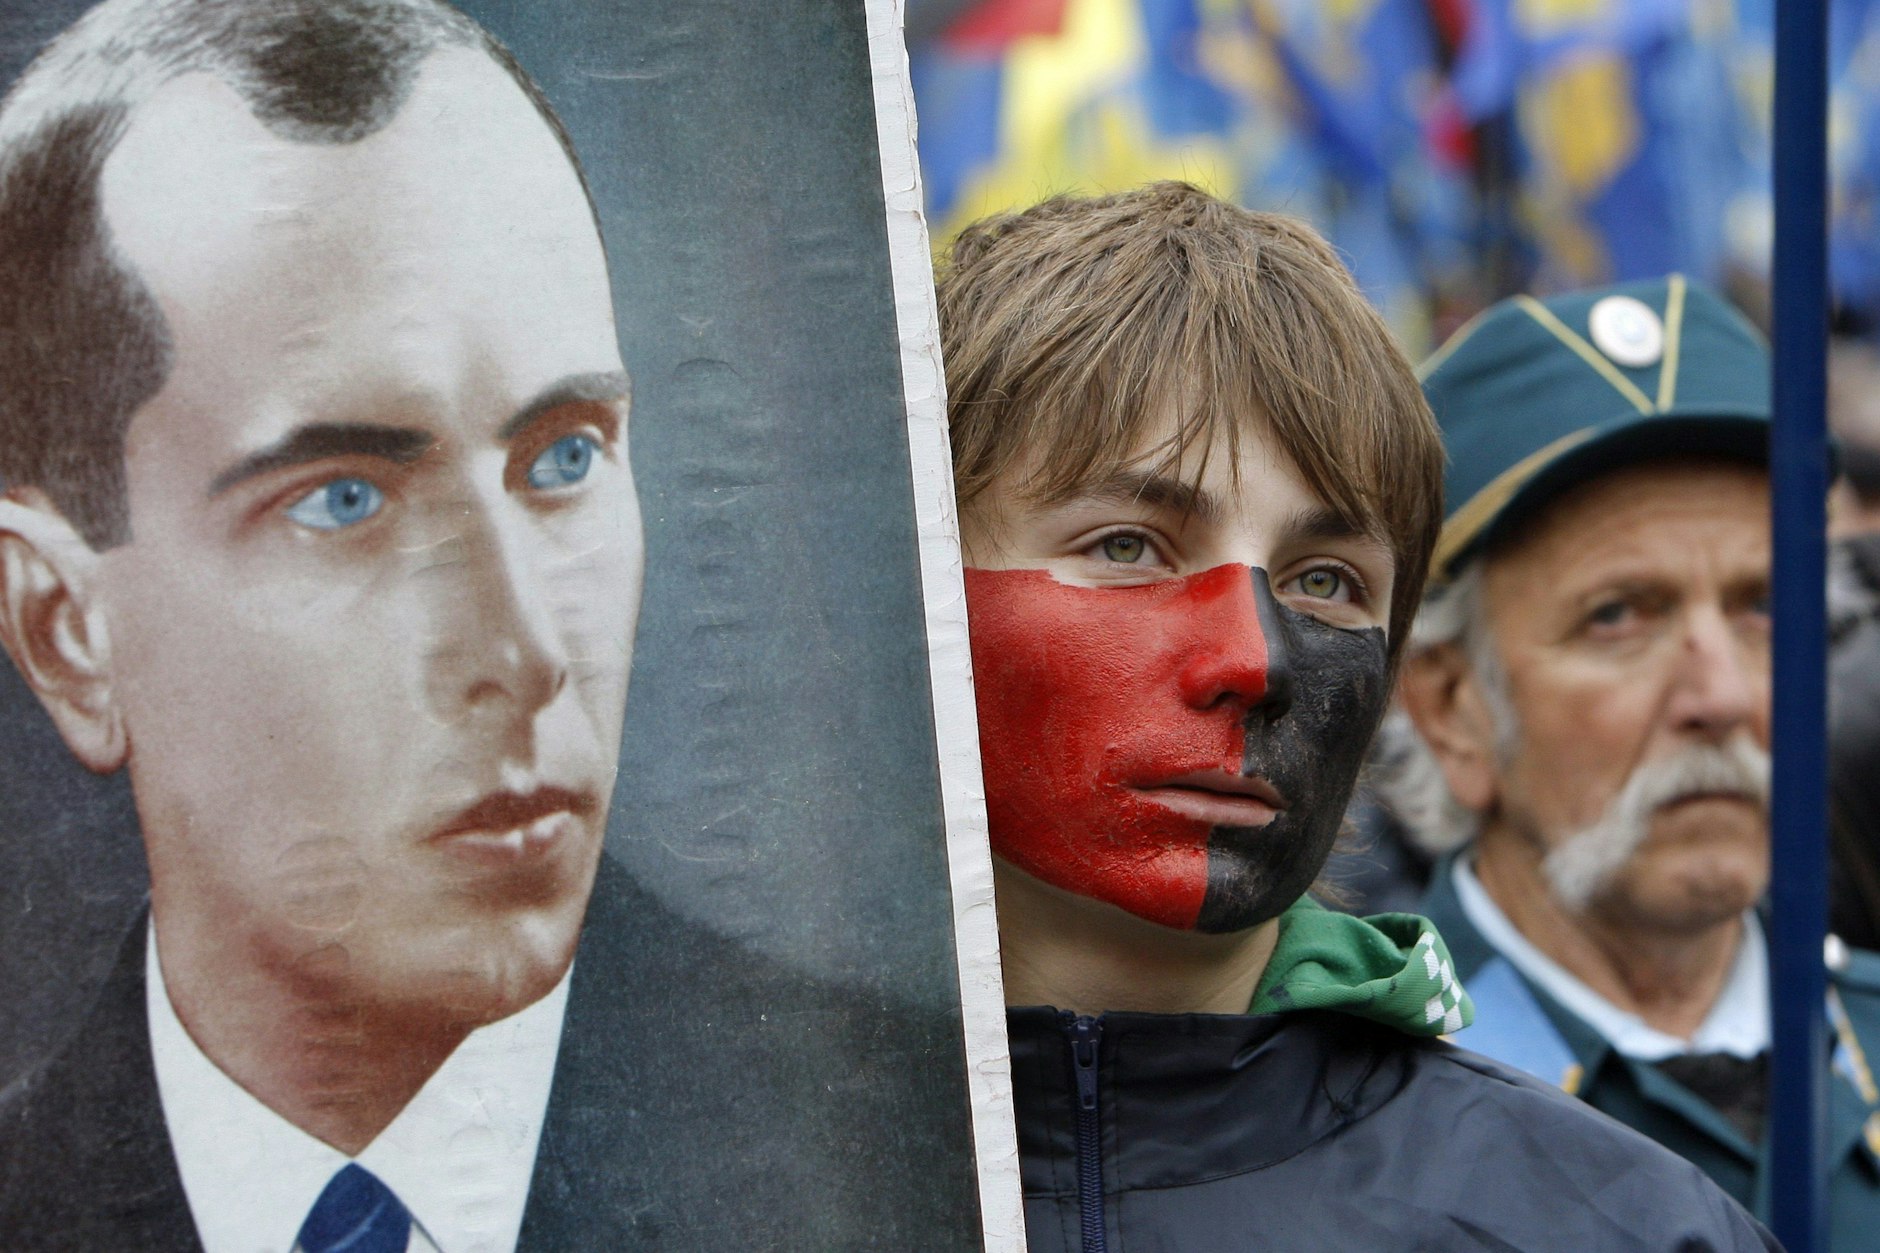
[(1798, 471)]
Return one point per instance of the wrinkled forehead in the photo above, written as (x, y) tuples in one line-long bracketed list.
[(1674, 519)]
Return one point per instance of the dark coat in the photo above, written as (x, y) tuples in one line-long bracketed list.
[(704, 1098), (1643, 1097), (1321, 1131)]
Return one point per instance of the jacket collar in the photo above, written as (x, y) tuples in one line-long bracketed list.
[(1847, 1115), (1163, 1080)]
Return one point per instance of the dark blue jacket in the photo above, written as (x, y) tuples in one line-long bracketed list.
[(1321, 1131)]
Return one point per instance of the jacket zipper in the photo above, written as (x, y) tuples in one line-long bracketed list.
[(1084, 1033)]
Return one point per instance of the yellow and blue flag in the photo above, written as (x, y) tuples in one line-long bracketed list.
[(1320, 109)]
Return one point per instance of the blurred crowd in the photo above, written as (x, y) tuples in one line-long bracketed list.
[(1564, 208), (1456, 151)]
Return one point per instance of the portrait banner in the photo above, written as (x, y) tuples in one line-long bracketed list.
[(487, 753)]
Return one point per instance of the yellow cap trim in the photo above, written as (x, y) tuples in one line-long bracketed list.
[(1467, 522), (1674, 328), (1585, 352), (1571, 1078)]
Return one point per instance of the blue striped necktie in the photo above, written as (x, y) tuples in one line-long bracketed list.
[(356, 1213)]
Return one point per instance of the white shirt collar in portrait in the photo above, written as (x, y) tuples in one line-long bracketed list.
[(1738, 1023), (459, 1156)]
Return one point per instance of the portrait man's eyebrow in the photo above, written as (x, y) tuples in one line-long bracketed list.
[(612, 389), (319, 441)]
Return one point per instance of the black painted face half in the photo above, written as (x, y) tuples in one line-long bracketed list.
[(1326, 694)]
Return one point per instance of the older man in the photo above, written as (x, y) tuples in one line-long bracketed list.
[(1589, 687)]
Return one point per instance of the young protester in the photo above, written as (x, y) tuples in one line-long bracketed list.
[(1199, 489)]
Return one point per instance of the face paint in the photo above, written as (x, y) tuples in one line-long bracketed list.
[(1136, 739)]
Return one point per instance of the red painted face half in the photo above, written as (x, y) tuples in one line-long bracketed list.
[(1145, 745)]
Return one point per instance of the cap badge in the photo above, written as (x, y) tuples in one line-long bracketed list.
[(1627, 331)]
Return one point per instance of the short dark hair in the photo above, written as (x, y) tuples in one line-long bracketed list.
[(83, 344), (1063, 327)]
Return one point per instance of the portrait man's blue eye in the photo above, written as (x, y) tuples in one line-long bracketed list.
[(340, 503), (564, 462)]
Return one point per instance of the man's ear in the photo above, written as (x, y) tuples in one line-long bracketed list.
[(53, 630), (1443, 697)]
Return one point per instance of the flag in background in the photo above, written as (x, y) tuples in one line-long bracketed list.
[(1322, 109), (959, 84), (1853, 151), (1077, 97), (1627, 142), (1362, 87), (1455, 151)]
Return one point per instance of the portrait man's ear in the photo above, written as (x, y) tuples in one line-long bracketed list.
[(52, 628), (1445, 700)]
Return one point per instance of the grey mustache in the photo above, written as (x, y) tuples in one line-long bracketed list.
[(1586, 861)]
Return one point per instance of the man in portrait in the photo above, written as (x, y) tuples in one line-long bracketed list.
[(318, 521)]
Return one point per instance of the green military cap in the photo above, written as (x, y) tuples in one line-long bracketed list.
[(1535, 396)]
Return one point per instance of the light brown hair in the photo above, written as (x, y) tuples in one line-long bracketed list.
[(1065, 327)]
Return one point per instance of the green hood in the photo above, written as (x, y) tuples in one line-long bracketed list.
[(1391, 968)]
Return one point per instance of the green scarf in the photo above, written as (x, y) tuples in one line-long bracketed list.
[(1391, 968)]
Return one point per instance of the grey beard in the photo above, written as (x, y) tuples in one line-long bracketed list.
[(1581, 867)]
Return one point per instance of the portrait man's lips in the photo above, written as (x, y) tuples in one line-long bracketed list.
[(1217, 798), (511, 826)]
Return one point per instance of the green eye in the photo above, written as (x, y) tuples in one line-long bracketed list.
[(1127, 549), (1322, 583)]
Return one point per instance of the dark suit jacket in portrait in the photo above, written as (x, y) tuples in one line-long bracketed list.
[(675, 1122)]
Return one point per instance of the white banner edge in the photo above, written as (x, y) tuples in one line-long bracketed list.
[(949, 656)]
